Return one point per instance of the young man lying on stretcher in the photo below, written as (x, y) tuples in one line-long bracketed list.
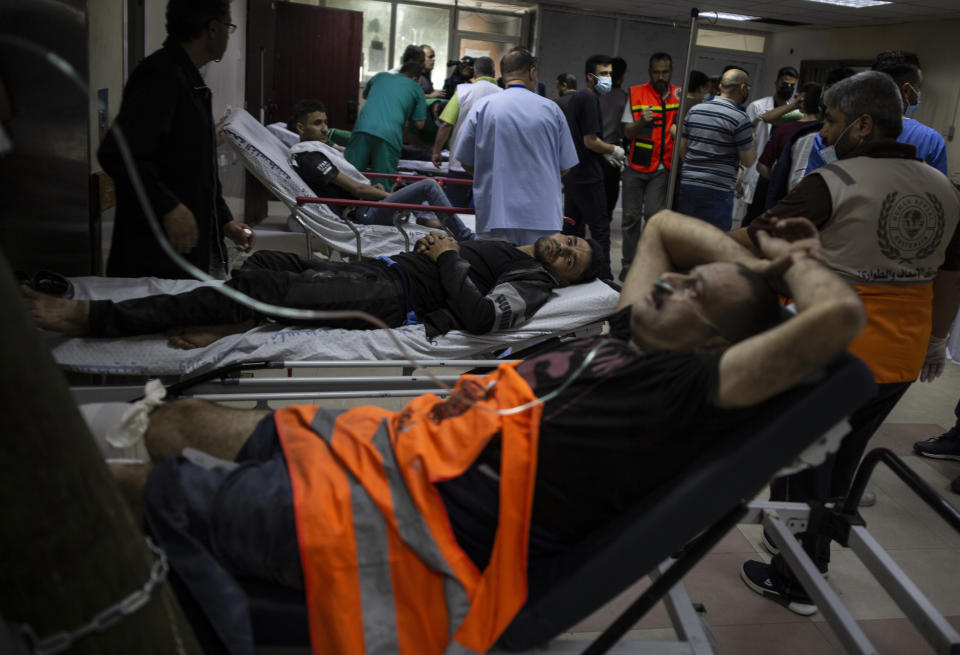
[(409, 529), (477, 286)]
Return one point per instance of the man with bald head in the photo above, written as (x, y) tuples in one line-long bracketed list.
[(717, 140)]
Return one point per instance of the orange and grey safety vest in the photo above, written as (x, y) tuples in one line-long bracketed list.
[(653, 145), (887, 235), (383, 571)]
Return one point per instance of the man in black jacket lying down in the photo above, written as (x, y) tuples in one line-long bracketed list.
[(476, 286)]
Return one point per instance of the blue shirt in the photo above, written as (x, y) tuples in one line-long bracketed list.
[(930, 146), (517, 142), (716, 132)]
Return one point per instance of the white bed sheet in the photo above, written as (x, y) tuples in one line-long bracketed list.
[(571, 308), (264, 155)]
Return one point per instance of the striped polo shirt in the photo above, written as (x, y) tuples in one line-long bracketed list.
[(715, 132)]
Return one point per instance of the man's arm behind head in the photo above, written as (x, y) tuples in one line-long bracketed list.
[(829, 317)]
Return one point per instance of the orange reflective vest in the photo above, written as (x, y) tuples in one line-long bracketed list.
[(382, 569), (653, 144)]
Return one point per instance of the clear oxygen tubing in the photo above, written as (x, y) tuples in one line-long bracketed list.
[(291, 313)]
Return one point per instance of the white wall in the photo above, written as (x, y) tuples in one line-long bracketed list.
[(105, 35), (934, 43)]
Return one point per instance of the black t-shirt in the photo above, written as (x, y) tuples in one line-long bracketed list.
[(316, 169), (624, 427), (583, 117)]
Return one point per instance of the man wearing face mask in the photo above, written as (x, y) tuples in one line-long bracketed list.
[(717, 140), (904, 68), (888, 225), (649, 122), (753, 187), (585, 200)]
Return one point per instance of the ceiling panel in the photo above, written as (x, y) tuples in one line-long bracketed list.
[(812, 14)]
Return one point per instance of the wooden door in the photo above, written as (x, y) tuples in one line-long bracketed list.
[(318, 54)]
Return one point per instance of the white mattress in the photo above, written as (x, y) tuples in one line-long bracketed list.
[(571, 308), (264, 155)]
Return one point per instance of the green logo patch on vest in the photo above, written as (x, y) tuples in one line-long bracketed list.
[(910, 226)]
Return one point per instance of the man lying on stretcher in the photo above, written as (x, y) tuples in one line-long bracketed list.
[(409, 529), (478, 286)]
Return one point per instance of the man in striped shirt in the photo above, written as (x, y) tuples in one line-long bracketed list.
[(717, 139)]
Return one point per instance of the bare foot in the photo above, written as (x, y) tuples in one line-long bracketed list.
[(188, 337), (58, 314)]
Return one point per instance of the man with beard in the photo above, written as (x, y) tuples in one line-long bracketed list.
[(649, 124), (475, 286)]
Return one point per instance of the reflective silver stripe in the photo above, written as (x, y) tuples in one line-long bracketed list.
[(373, 571), (415, 533), (323, 422)]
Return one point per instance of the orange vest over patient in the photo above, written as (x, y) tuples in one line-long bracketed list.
[(890, 225), (383, 571)]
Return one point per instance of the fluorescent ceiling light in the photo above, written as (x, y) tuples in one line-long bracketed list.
[(722, 15), (855, 4)]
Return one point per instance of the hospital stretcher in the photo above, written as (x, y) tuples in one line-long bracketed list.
[(268, 159), (290, 139), (670, 530), (579, 309)]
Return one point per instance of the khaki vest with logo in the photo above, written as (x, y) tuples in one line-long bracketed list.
[(887, 236)]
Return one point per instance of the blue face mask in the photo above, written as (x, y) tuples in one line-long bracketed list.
[(603, 84), (912, 109)]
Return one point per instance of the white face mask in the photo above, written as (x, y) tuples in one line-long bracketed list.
[(829, 153)]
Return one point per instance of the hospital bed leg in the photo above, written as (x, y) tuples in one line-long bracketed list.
[(686, 617), (692, 553), (826, 600)]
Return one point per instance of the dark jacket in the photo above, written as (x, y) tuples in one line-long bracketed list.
[(167, 120)]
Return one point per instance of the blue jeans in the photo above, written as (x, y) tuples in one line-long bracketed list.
[(423, 191), (711, 205)]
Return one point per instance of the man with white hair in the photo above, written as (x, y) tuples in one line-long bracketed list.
[(888, 223)]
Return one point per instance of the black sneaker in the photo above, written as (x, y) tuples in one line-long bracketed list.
[(764, 579), (955, 485), (946, 446)]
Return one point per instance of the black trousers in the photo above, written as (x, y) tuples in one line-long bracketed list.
[(832, 479), (611, 186), (587, 205), (278, 278)]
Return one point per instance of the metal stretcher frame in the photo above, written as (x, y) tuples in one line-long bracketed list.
[(688, 516), (401, 208)]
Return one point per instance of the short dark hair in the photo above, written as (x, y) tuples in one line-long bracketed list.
[(657, 56), (567, 78), (186, 19), (518, 60), (483, 67), (302, 109), (593, 61), (619, 69), (696, 80), (787, 71), (811, 97), (760, 313), (834, 75), (412, 53), (597, 260), (898, 65)]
